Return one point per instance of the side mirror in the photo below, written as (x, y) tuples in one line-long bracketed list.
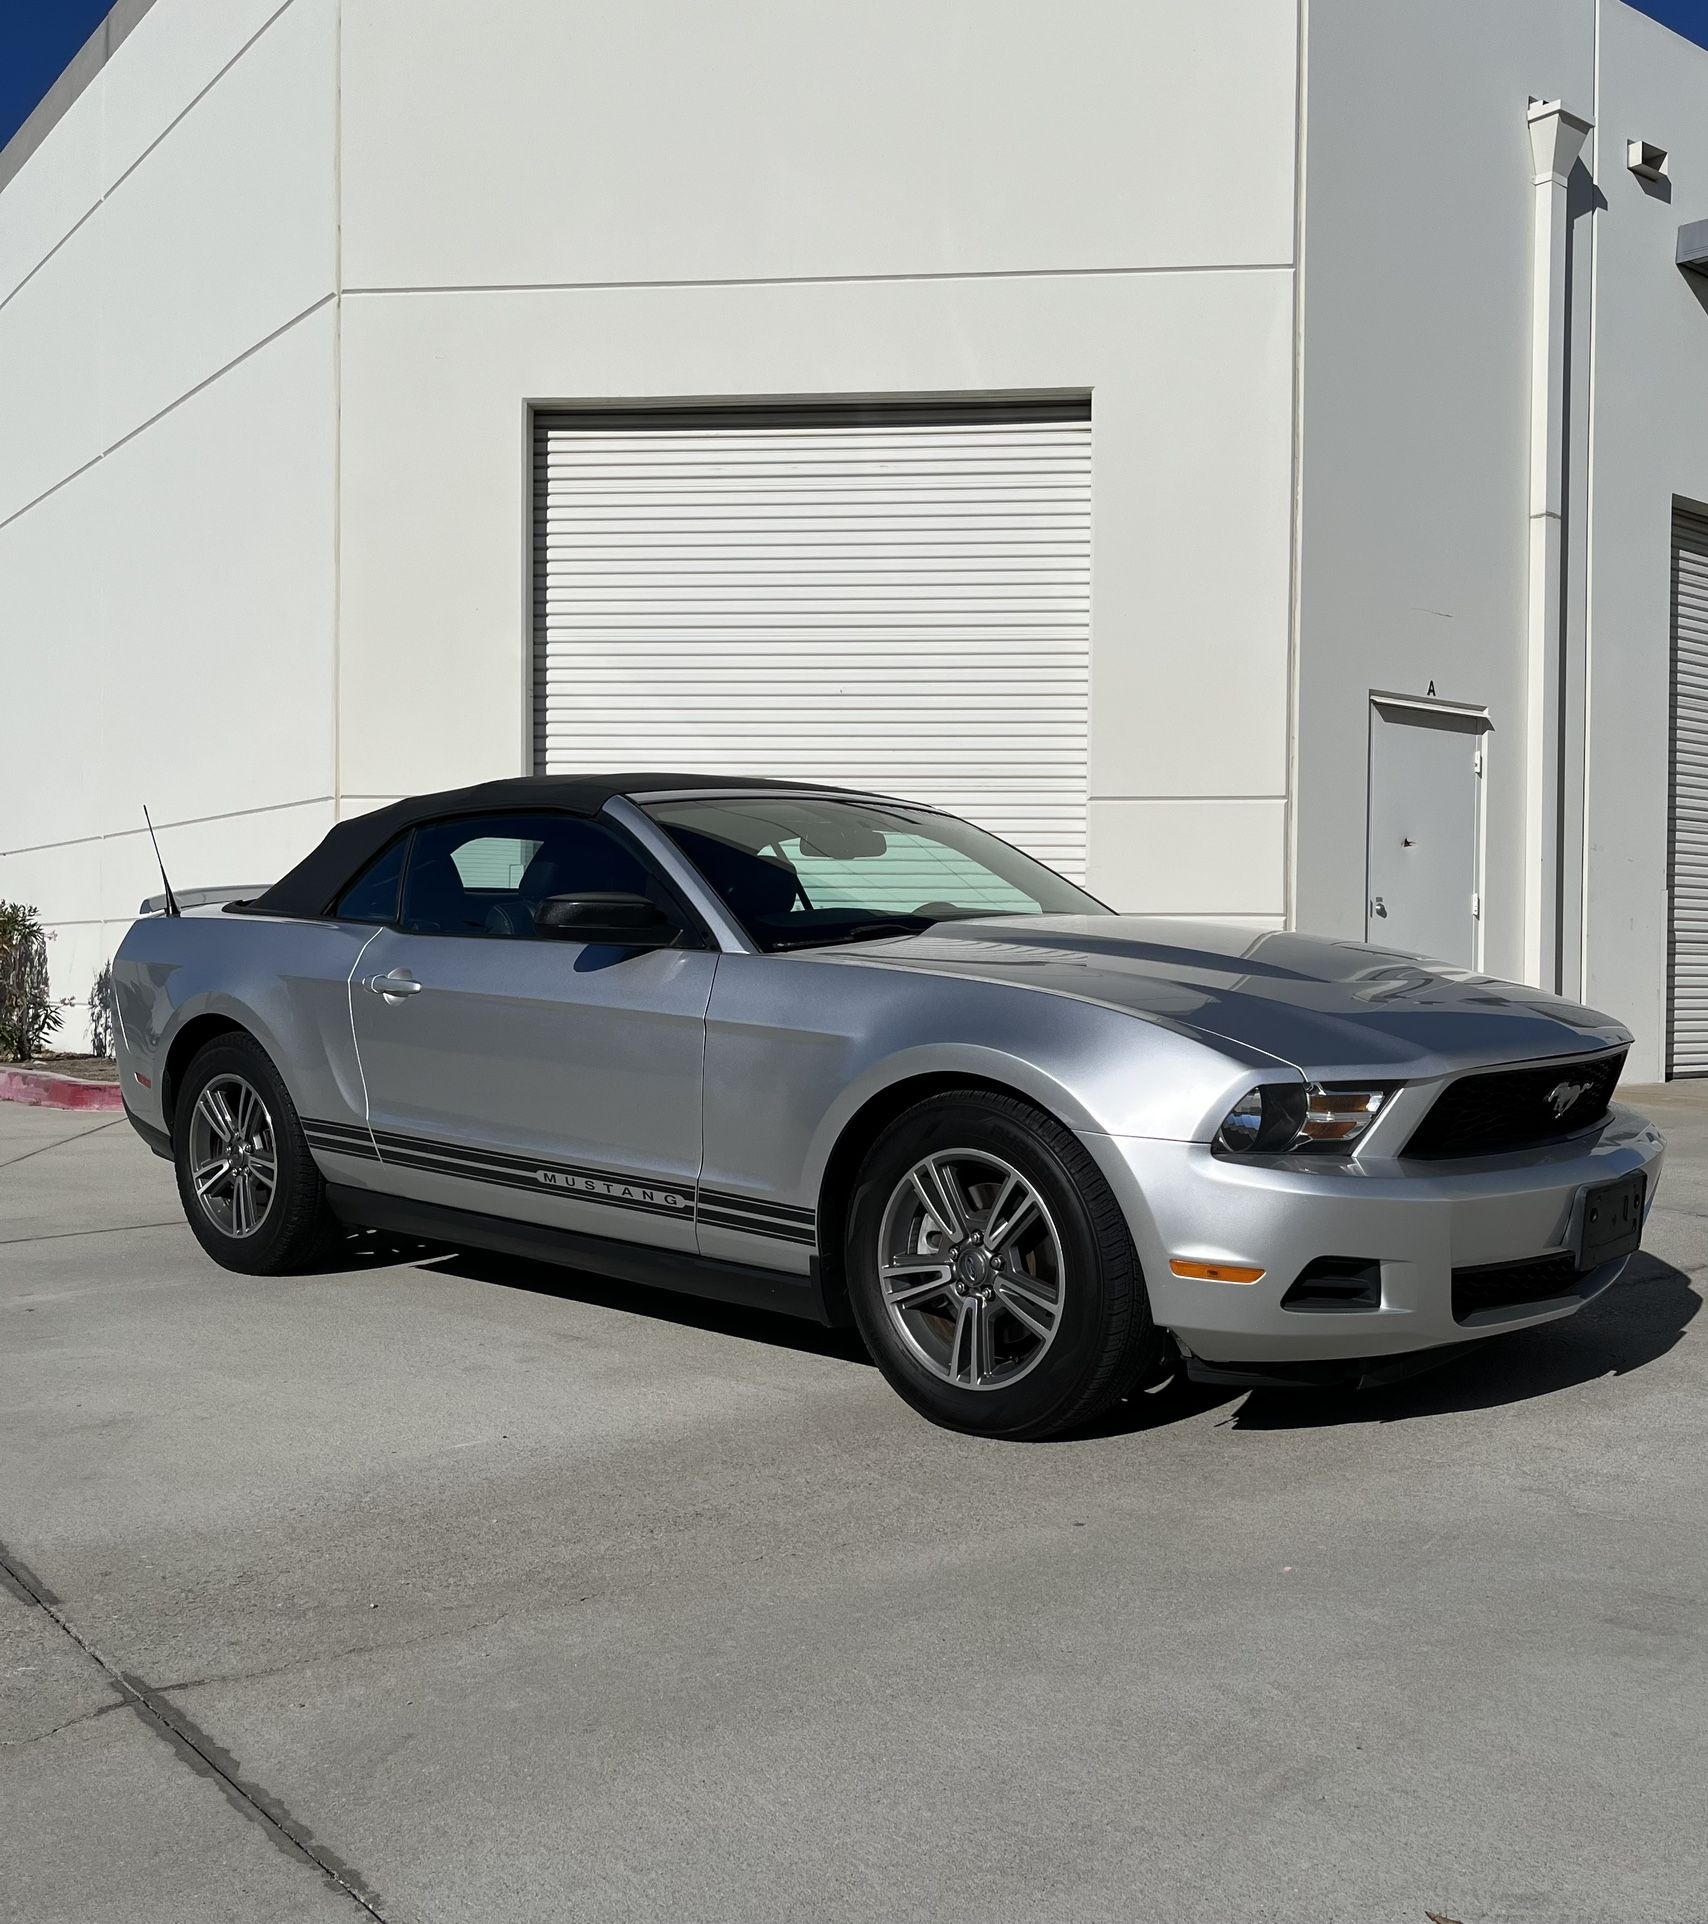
[(629, 921)]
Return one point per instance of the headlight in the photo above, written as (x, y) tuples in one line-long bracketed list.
[(1268, 1117), (1276, 1117)]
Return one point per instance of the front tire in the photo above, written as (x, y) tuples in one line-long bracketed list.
[(991, 1272), (252, 1194)]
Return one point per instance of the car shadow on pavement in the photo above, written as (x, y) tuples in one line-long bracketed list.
[(360, 1249), (1631, 1325), (662, 1305)]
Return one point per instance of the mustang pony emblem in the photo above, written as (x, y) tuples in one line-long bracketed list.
[(1563, 1094)]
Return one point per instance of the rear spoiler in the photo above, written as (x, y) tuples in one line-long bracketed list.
[(200, 898)]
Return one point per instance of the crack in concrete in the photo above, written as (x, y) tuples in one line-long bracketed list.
[(53, 1730), (194, 1747), (315, 1658), (42, 1148), (66, 1235)]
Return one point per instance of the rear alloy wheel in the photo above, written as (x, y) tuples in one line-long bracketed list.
[(250, 1188), (991, 1272), (234, 1156)]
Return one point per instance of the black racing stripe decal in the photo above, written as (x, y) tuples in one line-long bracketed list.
[(759, 1216), (750, 1226), (755, 1206), (393, 1143), (615, 1189), (339, 1139), (649, 1199), (802, 1223)]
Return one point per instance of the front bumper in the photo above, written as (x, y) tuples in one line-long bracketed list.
[(1417, 1221)]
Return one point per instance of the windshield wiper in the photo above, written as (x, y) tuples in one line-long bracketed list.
[(876, 931), (881, 930), (860, 932)]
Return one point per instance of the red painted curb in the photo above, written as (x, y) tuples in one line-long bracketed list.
[(42, 1089)]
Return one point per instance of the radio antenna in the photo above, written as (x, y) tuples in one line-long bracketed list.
[(172, 907)]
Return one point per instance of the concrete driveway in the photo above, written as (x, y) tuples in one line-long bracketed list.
[(452, 1590)]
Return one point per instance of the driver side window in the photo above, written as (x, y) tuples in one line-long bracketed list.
[(486, 875)]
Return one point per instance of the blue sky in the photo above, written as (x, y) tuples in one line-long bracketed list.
[(38, 38), (1688, 17)]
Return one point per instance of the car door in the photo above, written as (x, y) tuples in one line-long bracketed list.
[(528, 1076)]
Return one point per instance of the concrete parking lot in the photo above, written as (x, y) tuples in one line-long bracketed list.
[(438, 1588)]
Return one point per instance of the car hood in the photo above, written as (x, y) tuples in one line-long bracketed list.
[(1325, 1006)]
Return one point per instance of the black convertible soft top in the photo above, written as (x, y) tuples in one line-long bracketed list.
[(345, 850)]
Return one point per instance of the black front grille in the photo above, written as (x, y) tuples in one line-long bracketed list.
[(1511, 1285), (1502, 1109)]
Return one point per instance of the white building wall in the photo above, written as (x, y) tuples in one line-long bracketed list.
[(1415, 406), (279, 290), (167, 471), (797, 198), (1415, 412), (1650, 443)]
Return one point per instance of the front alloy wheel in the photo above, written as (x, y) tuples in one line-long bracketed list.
[(972, 1269), (991, 1271)]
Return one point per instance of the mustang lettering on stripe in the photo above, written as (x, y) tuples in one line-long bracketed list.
[(601, 1189)]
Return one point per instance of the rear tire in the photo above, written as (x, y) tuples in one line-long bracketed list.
[(991, 1272), (252, 1194)]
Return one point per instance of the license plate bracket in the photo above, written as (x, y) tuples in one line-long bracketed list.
[(1610, 1219)]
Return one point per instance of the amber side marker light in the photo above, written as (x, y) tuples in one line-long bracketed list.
[(1216, 1272)]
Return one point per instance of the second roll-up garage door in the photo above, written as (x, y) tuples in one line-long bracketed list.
[(1687, 998), (897, 599)]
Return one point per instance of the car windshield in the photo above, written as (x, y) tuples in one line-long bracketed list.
[(802, 871)]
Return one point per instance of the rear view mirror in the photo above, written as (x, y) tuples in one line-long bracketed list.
[(843, 841), (628, 921)]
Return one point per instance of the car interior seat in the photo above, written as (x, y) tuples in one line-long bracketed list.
[(756, 887), (438, 902), (576, 859)]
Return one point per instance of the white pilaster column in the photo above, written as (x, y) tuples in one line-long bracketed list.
[(1556, 139)]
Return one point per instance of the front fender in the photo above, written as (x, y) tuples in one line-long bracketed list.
[(796, 1049), (1051, 1092)]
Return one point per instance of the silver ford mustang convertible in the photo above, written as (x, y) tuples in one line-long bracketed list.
[(844, 1056)]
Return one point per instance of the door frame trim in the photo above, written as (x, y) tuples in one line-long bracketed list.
[(1473, 712)]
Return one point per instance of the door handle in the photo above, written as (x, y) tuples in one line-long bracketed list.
[(393, 984)]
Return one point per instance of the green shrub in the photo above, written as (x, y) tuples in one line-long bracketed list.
[(101, 1013), (28, 1015)]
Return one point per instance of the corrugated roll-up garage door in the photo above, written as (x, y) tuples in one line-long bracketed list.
[(1687, 1023), (897, 599)]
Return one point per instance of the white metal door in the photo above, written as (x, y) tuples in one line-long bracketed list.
[(895, 599), (1687, 1000), (1425, 772)]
